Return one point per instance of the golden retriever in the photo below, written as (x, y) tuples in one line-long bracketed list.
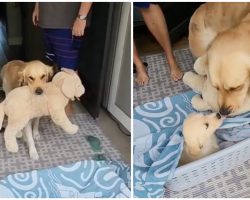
[(17, 73), (199, 136), (35, 74), (211, 19), (220, 33)]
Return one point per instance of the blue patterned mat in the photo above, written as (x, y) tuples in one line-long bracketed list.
[(158, 141), (102, 179)]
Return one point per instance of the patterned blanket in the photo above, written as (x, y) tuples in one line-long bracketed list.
[(89, 178), (158, 141)]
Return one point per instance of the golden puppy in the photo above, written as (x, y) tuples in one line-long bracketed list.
[(17, 73), (199, 136)]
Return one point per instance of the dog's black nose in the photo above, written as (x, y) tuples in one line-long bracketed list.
[(224, 111), (39, 91), (218, 115)]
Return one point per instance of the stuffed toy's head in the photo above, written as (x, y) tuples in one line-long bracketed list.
[(70, 83), (198, 129)]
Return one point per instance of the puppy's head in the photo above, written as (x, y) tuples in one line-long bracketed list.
[(70, 83), (35, 75), (197, 130), (229, 74)]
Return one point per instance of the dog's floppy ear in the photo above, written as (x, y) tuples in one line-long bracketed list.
[(22, 78), (68, 88), (49, 73)]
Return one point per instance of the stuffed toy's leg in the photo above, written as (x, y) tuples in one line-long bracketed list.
[(13, 127), (28, 137), (36, 134), (199, 104), (60, 118), (194, 81), (200, 65)]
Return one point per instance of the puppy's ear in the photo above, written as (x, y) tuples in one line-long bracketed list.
[(50, 72)]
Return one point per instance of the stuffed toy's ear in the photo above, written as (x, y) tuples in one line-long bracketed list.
[(68, 88), (200, 65), (68, 71)]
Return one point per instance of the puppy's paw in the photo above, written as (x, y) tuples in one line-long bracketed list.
[(33, 154), (72, 129), (11, 147)]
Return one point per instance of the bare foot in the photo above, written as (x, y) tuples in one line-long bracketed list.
[(141, 75), (175, 73)]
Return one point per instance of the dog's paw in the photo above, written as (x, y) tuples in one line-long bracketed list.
[(12, 147), (72, 129), (33, 154)]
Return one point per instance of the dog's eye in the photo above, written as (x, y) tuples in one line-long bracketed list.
[(42, 77), (207, 125), (31, 78), (236, 88)]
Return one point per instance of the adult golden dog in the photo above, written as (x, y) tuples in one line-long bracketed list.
[(17, 73), (219, 33), (35, 74)]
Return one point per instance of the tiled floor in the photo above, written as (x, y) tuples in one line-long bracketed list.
[(111, 129)]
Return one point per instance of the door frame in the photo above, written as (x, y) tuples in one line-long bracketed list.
[(123, 29)]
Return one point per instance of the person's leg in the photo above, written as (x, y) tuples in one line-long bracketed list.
[(156, 23), (66, 48), (48, 48), (141, 73), (67, 53)]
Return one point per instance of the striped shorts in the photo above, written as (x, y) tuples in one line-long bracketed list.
[(143, 4), (61, 48)]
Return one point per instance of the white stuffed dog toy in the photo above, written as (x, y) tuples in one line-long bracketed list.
[(199, 136), (207, 100), (21, 105)]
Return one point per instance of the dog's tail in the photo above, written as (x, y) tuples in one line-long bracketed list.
[(1, 115)]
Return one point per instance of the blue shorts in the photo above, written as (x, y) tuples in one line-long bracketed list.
[(143, 4), (61, 48)]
